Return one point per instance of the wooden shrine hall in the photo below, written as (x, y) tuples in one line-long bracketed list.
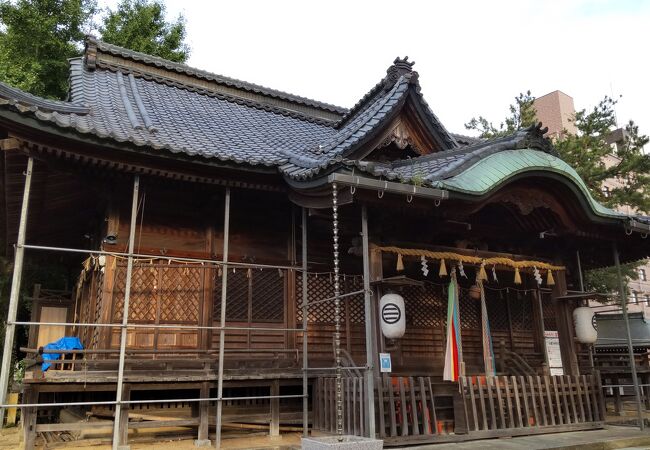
[(238, 258)]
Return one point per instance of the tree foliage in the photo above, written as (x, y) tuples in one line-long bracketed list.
[(37, 37), (522, 115), (595, 160), (140, 25)]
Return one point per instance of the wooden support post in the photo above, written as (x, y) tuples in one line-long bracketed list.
[(274, 429), (628, 335), (564, 318), (222, 321), (204, 416), (305, 323), (28, 417), (370, 336), (122, 419), (537, 313), (120, 436), (14, 295)]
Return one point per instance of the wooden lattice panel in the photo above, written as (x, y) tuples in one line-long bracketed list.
[(180, 294), (237, 296), (497, 310), (355, 304), (268, 294), (520, 309), (470, 311), (321, 287), (424, 306)]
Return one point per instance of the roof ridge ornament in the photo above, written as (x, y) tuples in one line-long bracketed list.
[(400, 66), (90, 52), (534, 138)]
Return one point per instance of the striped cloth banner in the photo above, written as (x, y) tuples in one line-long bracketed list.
[(488, 350), (454, 348)]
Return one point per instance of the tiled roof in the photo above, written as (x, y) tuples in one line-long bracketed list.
[(93, 44), (437, 166), (153, 110)]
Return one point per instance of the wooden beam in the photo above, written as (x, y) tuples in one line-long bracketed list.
[(10, 144)]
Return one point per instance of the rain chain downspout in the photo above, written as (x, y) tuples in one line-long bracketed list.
[(337, 316)]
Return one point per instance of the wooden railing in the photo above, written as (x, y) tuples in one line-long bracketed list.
[(417, 409), (501, 406)]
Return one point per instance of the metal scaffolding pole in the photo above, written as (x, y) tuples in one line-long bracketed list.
[(125, 313), (580, 277), (630, 348), (224, 294), (370, 355), (305, 300), (15, 292)]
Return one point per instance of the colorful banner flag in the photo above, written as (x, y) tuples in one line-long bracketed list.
[(454, 347), (488, 350)]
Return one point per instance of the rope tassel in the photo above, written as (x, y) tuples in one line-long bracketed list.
[(400, 263), (549, 278), (517, 276), (443, 269), (482, 274)]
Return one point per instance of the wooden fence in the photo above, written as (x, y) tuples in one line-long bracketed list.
[(509, 405), (405, 406), (419, 409)]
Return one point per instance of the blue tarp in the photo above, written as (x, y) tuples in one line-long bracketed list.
[(65, 343)]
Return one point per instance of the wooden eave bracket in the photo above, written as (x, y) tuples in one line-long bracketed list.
[(10, 143)]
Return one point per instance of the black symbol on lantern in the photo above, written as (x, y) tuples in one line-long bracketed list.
[(391, 313), (594, 323)]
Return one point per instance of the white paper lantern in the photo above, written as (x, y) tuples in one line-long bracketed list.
[(584, 321), (391, 313)]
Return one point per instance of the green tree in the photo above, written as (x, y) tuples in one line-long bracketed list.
[(522, 115), (587, 150), (38, 36), (140, 25), (36, 39)]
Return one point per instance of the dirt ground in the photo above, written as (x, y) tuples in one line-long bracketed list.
[(10, 439)]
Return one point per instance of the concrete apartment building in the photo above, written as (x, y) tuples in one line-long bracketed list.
[(556, 111)]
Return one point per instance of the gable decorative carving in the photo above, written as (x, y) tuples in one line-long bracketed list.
[(526, 201), (399, 135)]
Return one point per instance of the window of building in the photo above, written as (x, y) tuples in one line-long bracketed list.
[(606, 191), (647, 299), (642, 275)]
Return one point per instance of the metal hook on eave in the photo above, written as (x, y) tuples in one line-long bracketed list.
[(409, 198), (437, 202), (628, 231), (353, 189), (380, 194)]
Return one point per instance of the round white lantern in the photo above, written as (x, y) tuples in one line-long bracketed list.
[(584, 321), (392, 316)]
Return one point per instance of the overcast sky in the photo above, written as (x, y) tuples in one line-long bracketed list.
[(473, 57)]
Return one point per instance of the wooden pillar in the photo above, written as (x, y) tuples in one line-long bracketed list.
[(537, 315), (28, 416), (376, 274), (274, 429), (122, 418), (204, 416), (564, 318)]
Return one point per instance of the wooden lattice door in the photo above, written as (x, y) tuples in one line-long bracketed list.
[(254, 298), (161, 294)]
